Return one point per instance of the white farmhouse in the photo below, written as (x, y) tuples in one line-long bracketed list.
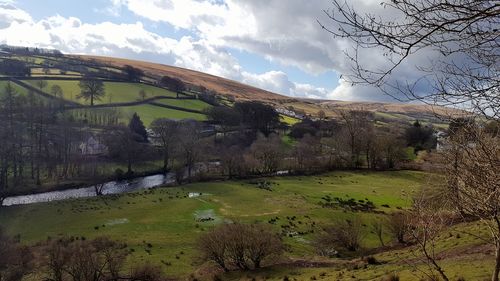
[(92, 147)]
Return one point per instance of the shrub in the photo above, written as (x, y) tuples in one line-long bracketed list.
[(398, 226), (15, 261), (240, 245), (99, 259), (345, 234), (371, 260), (146, 272)]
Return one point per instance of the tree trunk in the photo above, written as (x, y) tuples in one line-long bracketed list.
[(129, 167)]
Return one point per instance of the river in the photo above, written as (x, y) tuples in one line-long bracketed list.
[(112, 187)]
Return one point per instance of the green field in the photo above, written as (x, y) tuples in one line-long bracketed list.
[(148, 113), (20, 90), (116, 92), (166, 217), (289, 120), (189, 104)]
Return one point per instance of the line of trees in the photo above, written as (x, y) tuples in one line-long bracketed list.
[(72, 259)]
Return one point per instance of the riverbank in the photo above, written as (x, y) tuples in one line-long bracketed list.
[(75, 184)]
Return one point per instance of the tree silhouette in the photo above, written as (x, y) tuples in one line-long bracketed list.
[(136, 126), (91, 89)]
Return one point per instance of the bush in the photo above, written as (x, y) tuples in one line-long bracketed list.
[(146, 272), (16, 261), (398, 226), (99, 259), (240, 245), (344, 234), (371, 260)]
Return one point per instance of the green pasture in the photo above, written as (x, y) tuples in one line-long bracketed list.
[(148, 113), (166, 217), (161, 225), (289, 120), (116, 92), (184, 103), (20, 90)]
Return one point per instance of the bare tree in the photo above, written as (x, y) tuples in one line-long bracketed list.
[(240, 245), (473, 176), (15, 261), (425, 222), (165, 135), (397, 225), (232, 161), (269, 152), (213, 247), (96, 260), (378, 229), (145, 272), (190, 147), (355, 124), (344, 233), (307, 153), (263, 244), (461, 36)]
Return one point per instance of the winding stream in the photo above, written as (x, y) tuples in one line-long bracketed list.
[(112, 187)]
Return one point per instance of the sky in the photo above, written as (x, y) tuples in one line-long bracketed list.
[(276, 45)]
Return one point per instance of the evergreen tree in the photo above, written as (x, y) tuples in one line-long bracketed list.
[(136, 126)]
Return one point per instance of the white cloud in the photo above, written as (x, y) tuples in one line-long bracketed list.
[(9, 14), (114, 9), (278, 82), (73, 36), (288, 34), (200, 55)]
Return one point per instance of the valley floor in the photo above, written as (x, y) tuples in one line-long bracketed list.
[(162, 225)]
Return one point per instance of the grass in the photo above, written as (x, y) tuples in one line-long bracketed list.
[(289, 120), (189, 104), (166, 217), (19, 89), (116, 92), (148, 113)]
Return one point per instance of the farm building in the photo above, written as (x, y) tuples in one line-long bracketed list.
[(91, 146)]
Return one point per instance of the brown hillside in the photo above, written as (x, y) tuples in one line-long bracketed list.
[(221, 85), (241, 91)]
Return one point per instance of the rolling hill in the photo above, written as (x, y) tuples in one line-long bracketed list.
[(67, 70), (238, 91)]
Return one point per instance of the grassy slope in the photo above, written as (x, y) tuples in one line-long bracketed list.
[(20, 90), (150, 112), (129, 92), (289, 120), (166, 219), (189, 104), (170, 226), (115, 91)]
